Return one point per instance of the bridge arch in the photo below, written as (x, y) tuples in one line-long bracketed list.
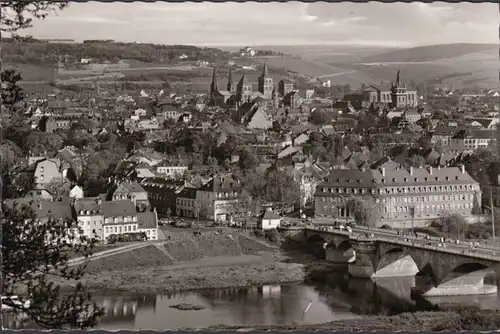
[(390, 256), (466, 269), (344, 246), (315, 244)]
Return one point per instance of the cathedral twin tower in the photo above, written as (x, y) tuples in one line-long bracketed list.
[(243, 90)]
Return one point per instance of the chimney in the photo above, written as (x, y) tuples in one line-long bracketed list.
[(99, 201), (411, 171), (39, 205), (382, 170), (462, 168), (439, 167), (430, 170)]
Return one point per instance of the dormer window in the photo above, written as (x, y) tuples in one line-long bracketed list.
[(456, 177), (416, 179), (426, 179), (405, 179), (447, 178), (360, 181), (437, 178), (383, 180), (81, 212), (394, 179)]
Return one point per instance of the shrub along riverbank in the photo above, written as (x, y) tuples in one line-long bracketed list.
[(461, 319)]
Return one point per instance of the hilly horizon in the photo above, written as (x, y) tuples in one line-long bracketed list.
[(429, 53)]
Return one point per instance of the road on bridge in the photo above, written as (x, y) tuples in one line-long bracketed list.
[(463, 246)]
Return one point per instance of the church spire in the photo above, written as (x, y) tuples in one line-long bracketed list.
[(230, 80), (398, 79), (214, 86), (265, 72)]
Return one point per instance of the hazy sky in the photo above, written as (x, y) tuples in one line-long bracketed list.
[(292, 23)]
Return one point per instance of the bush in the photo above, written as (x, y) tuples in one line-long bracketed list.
[(273, 236), (259, 233)]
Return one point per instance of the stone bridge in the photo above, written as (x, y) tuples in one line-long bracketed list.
[(450, 271)]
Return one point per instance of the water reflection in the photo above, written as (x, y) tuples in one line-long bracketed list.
[(334, 296)]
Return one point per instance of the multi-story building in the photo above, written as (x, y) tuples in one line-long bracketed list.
[(172, 169), (46, 171), (162, 194), (120, 217), (132, 191), (89, 215), (474, 139), (397, 96), (219, 198), (399, 194), (186, 205), (148, 223)]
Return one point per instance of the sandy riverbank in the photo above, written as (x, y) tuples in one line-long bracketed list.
[(207, 273)]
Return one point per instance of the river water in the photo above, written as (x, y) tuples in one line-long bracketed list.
[(333, 297)]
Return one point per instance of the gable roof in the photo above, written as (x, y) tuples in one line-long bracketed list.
[(122, 208), (129, 187), (147, 219)]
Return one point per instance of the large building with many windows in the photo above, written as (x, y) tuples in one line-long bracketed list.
[(400, 195)]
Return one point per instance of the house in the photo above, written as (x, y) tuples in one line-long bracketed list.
[(186, 205), (258, 119), (219, 198), (46, 171), (162, 193), (269, 220), (88, 213), (171, 169), (76, 192), (247, 52), (473, 139), (120, 217), (133, 191), (148, 223)]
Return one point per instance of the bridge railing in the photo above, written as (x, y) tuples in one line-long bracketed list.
[(418, 243)]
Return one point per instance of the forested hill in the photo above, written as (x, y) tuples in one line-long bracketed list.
[(44, 53), (431, 52)]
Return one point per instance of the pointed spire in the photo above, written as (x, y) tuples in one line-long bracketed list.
[(398, 78), (230, 80), (265, 71), (214, 86)]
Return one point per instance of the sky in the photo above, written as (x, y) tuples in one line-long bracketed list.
[(290, 23)]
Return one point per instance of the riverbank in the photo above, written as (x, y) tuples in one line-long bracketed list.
[(209, 273), (210, 261), (452, 320)]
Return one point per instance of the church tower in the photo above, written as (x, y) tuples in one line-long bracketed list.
[(398, 93), (214, 86), (265, 83), (230, 86), (243, 90)]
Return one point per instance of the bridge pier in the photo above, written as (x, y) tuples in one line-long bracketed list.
[(336, 256), (465, 285), (363, 266)]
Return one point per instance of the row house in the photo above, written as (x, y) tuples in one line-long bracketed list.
[(443, 134), (162, 193), (186, 204), (400, 194)]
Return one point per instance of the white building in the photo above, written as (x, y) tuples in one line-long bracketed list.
[(219, 198), (76, 192), (148, 223), (269, 220), (120, 217), (90, 217)]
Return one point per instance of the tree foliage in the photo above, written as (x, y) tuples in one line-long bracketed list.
[(365, 211), (35, 259)]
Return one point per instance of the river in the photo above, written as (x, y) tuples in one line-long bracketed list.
[(333, 297)]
